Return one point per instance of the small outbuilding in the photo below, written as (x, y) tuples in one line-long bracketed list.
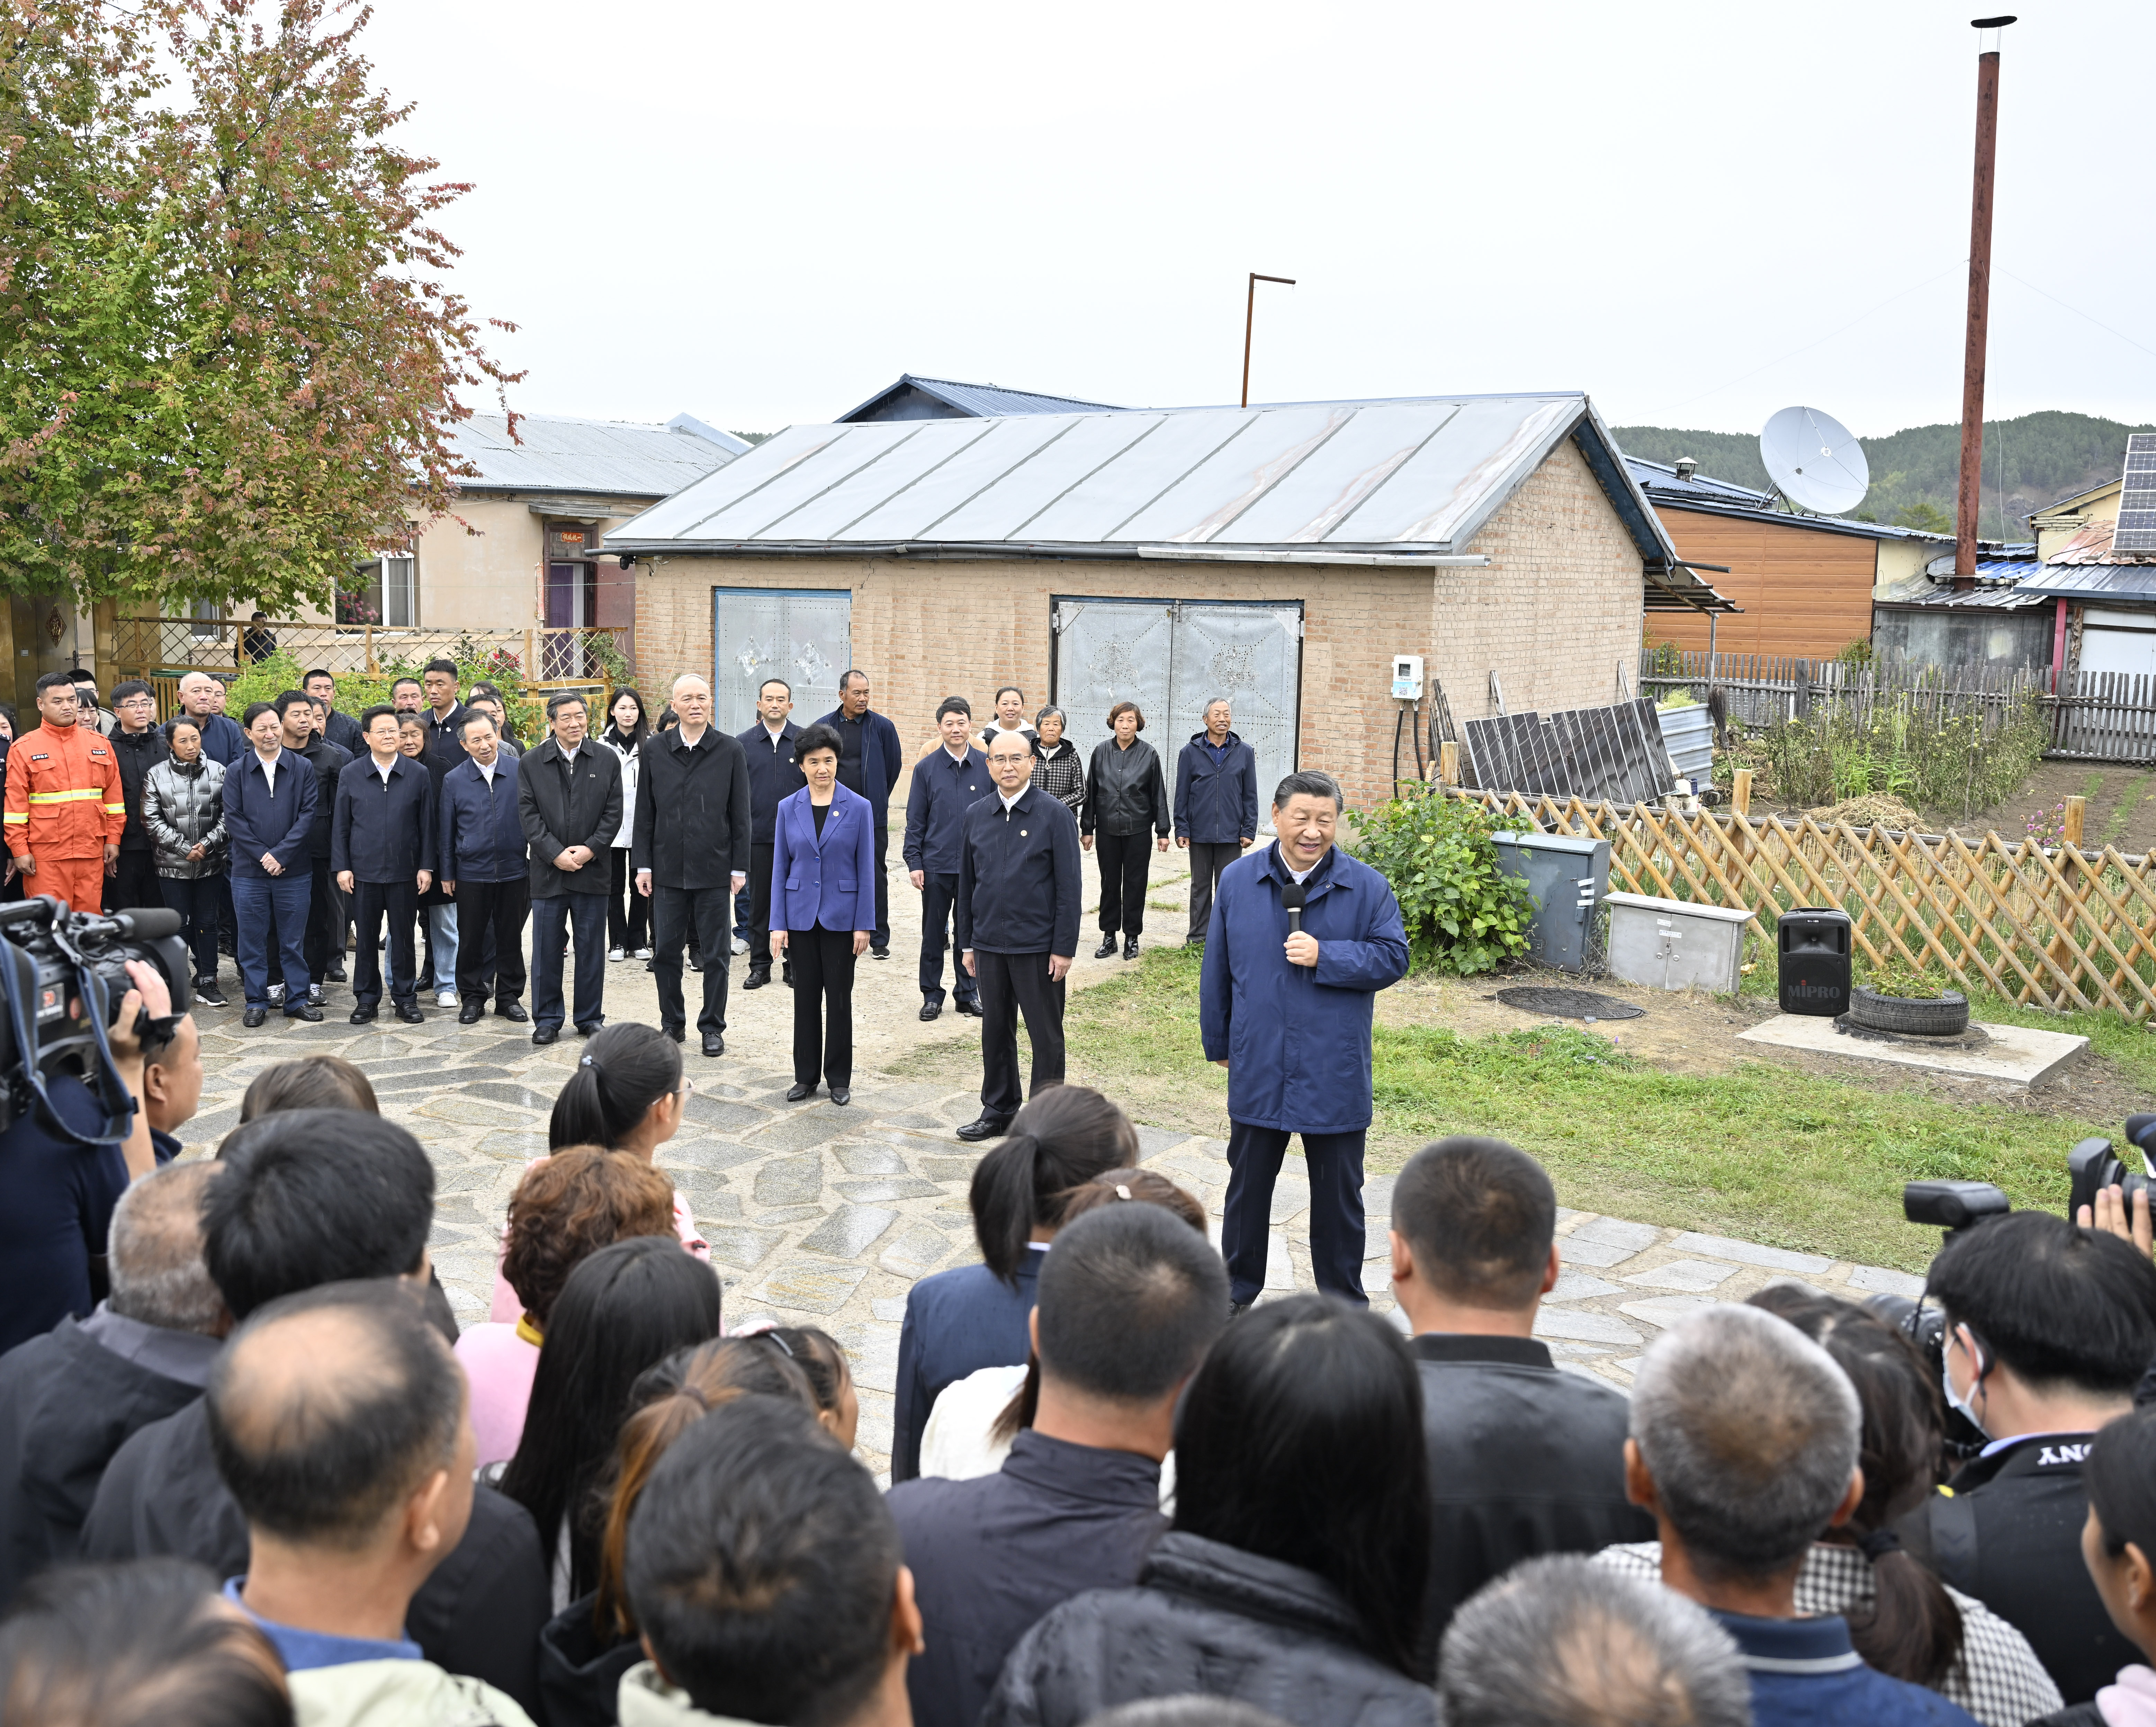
[(1280, 555)]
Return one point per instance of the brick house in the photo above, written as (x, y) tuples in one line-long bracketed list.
[(1278, 555)]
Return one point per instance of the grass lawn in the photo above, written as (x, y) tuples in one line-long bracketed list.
[(1766, 1153)]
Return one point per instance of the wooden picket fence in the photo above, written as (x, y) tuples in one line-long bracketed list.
[(2106, 717), (2057, 927), (1764, 689)]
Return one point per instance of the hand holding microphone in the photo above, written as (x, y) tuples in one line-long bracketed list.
[(1300, 950)]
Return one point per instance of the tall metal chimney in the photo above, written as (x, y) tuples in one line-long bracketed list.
[(1971, 488)]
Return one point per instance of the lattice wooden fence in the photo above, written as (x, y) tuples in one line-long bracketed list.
[(2055, 926)]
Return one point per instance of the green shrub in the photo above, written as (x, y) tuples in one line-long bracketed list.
[(1462, 912)]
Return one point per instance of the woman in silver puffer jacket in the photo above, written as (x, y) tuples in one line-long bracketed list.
[(183, 808)]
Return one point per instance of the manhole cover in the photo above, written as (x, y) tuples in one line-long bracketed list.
[(1569, 1004)]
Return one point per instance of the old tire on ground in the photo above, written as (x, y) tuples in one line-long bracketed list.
[(1943, 1015)]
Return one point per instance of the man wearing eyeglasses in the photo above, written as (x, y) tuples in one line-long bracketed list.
[(138, 746)]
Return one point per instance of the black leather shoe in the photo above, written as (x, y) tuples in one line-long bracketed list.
[(585, 1028), (255, 1016), (715, 1043), (1106, 950), (546, 1034), (1236, 1309), (305, 1011), (786, 974), (930, 1010), (796, 1094), (677, 1033), (757, 977), (471, 1013), (409, 1012), (336, 974), (695, 962), (1131, 948), (362, 1016), (986, 1126), (511, 1011), (842, 1095), (970, 1009)]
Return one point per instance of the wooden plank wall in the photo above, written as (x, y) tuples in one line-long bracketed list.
[(1804, 592)]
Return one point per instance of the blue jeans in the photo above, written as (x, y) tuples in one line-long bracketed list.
[(257, 901), (553, 920), (442, 927)]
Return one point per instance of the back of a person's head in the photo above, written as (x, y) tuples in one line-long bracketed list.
[(665, 1401), (2059, 1306), (1300, 1439), (1188, 1711), (1117, 1187), (625, 1307), (1130, 1301), (1561, 1642), (312, 1196), (1066, 1135), (1750, 1431), (762, 1568), (569, 1205), (1479, 1216), (156, 1248), (320, 1082), (143, 1644), (328, 1408), (625, 1068), (2119, 1475)]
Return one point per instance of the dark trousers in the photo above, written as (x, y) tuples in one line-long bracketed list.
[(196, 899), (496, 909), (880, 936), (133, 882), (756, 928), (823, 996), (371, 901), (267, 908), (227, 925), (631, 928), (1125, 861), (674, 910), (326, 921), (553, 919), (1335, 1162), (939, 901), (1206, 863), (1011, 984)]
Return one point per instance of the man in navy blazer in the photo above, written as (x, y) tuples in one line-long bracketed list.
[(1020, 895), (947, 782), (270, 800), (485, 866), (382, 849), (869, 761), (773, 775)]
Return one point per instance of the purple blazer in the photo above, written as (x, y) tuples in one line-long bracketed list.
[(829, 881)]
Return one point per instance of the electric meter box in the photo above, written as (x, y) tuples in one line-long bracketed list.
[(1569, 879), (1407, 677)]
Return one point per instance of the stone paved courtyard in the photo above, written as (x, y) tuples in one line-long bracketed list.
[(825, 1215)]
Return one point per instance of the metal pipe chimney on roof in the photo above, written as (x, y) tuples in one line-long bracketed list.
[(1686, 466)]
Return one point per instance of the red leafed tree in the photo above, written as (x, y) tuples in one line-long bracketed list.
[(230, 364)]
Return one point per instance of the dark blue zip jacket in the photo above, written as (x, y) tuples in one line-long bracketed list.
[(479, 837), (259, 818), (880, 758), (935, 805), (1021, 887), (222, 741), (1216, 805), (383, 833), (772, 777), (1297, 1040)]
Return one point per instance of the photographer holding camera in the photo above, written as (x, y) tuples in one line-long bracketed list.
[(2047, 1328)]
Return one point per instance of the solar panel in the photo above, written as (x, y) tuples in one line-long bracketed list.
[(2137, 505)]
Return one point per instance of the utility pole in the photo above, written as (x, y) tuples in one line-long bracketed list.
[(1969, 494), (1250, 318)]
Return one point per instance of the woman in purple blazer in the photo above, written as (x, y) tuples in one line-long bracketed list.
[(822, 907)]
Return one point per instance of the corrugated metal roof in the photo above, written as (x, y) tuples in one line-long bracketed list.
[(1923, 591), (977, 401), (2093, 582), (2092, 546), (620, 457), (1720, 497), (1988, 569), (1659, 478)]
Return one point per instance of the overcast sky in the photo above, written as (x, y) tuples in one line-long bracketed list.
[(761, 215)]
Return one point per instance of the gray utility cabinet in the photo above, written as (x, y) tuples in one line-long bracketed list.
[(1675, 944), (1569, 878)]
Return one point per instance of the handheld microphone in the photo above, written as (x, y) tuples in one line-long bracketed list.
[(1293, 897)]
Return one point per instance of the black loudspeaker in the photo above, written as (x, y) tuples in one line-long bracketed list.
[(1814, 961)]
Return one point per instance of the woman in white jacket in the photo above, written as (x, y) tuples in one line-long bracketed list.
[(629, 913)]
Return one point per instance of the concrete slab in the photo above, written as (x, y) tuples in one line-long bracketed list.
[(2017, 1055)]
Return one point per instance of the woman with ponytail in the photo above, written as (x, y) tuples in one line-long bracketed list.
[(1903, 1620), (960, 1321)]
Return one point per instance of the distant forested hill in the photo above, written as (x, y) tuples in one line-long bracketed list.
[(2046, 455)]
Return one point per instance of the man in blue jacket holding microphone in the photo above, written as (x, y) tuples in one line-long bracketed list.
[(1302, 938)]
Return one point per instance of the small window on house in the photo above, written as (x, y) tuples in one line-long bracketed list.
[(205, 615), (389, 593)]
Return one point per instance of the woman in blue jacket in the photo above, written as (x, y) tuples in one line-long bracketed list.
[(823, 908)]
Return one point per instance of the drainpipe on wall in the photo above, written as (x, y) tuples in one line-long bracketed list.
[(2058, 650)]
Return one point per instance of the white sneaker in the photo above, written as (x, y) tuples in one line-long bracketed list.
[(276, 995), (445, 998), (644, 953), (616, 953), (740, 944)]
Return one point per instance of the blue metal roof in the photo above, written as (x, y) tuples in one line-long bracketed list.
[(1993, 568), (1720, 497), (960, 401), (2093, 582), (616, 457)]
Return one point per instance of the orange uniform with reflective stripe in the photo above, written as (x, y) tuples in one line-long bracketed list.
[(64, 794)]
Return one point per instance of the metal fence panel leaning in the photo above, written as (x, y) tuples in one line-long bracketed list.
[(2054, 926)]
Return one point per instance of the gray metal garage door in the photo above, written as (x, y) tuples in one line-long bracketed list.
[(1172, 657), (804, 636)]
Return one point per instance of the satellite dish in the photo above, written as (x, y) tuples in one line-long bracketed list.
[(1814, 461)]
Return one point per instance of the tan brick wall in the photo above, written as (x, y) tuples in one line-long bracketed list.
[(1555, 611)]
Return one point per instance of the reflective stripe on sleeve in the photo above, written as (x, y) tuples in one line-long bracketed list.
[(79, 794)]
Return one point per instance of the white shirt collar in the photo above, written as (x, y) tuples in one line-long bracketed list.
[(487, 768), (384, 769), (1010, 799), (959, 756)]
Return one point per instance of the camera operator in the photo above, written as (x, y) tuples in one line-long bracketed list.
[(58, 1201), (2048, 1326)]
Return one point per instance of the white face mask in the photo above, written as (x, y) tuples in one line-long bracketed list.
[(1955, 1400)]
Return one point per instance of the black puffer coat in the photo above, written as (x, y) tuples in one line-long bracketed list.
[(1126, 792), (1210, 1619)]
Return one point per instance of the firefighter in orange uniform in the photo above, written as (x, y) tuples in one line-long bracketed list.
[(65, 811)]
